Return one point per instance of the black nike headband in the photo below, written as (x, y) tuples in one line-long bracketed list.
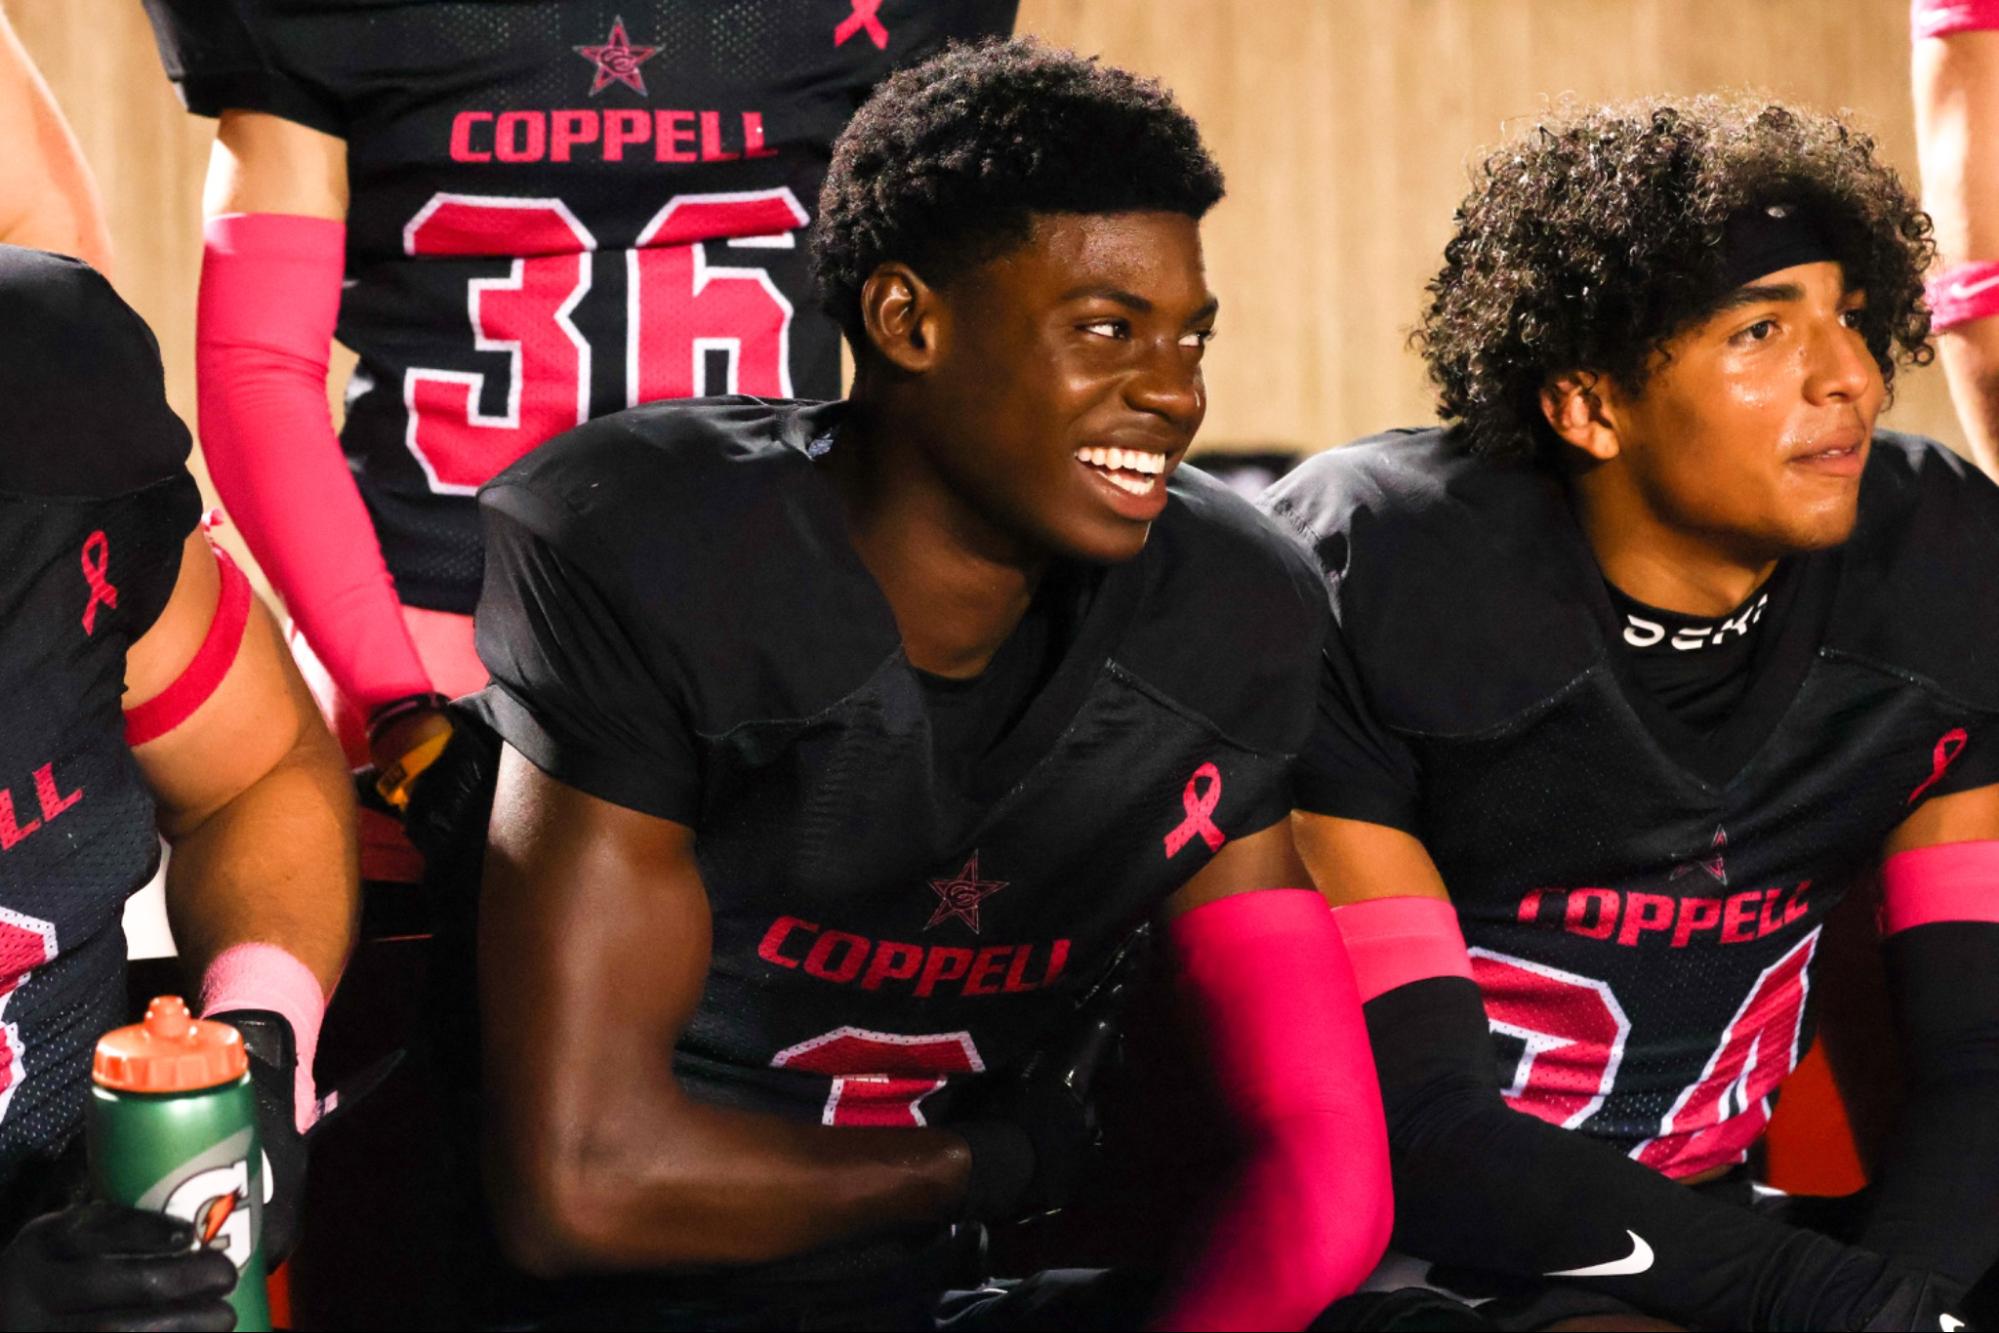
[(1764, 238)]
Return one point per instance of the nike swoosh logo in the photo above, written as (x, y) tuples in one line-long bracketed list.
[(1637, 1261), (1964, 291), (1949, 1323)]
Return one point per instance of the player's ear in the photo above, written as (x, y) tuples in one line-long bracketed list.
[(899, 312), (1574, 404)]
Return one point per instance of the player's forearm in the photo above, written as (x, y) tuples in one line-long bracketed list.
[(1481, 1185), (1971, 363), (644, 1181), (1932, 1205), (275, 864)]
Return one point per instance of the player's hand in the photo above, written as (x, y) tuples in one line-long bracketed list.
[(405, 738), (1037, 1128), (100, 1265), (274, 1076), (447, 812)]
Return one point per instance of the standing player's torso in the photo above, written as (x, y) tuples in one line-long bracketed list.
[(1643, 904), (562, 209)]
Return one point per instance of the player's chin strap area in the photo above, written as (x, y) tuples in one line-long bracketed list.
[(1481, 1186)]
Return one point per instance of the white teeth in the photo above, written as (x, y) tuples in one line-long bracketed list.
[(1124, 460), (1119, 464), (1133, 484)]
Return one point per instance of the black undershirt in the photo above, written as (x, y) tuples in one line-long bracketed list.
[(1699, 667), (971, 715)]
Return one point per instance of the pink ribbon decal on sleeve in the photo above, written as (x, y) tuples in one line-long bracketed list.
[(1949, 746), (863, 20), (1199, 804), (96, 559)]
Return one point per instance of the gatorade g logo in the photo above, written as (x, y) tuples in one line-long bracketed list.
[(216, 1201), (220, 1193)]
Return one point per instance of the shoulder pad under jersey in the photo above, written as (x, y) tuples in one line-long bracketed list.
[(1233, 618), (83, 407), (1460, 583), (1919, 590), (705, 524)]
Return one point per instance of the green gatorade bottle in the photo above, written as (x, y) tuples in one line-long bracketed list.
[(173, 1129)]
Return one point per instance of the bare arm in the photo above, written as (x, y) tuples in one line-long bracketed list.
[(1956, 81), (47, 198), (266, 164), (594, 945), (254, 796)]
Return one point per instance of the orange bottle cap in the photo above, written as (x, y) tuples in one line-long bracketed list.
[(171, 1051)]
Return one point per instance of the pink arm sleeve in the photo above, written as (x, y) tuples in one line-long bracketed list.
[(1943, 18), (1950, 881), (1311, 1208), (270, 295)]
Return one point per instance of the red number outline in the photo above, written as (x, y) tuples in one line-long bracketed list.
[(647, 251), (43, 933), (1603, 1053), (907, 1070), (415, 378), (1721, 1137)]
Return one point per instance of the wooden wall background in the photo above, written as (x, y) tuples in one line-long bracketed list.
[(1345, 127)]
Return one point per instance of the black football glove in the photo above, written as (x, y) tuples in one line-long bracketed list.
[(449, 805), (274, 1075), (101, 1265), (1033, 1131), (1909, 1300)]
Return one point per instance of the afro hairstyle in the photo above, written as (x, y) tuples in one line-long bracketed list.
[(1592, 241), (947, 164)]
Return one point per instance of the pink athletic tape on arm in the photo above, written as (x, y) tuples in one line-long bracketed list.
[(1962, 293), (264, 976), (205, 670), (1394, 941), (1311, 1207), (1952, 881), (270, 295), (1941, 18)]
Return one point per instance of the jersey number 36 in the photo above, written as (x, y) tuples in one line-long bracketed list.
[(679, 308)]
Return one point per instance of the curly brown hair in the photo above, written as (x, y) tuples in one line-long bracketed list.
[(1597, 237)]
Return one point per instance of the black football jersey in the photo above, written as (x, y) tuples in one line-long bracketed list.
[(1642, 900), (95, 503), (676, 622), (559, 208)]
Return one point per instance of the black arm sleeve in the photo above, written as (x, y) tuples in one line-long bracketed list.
[(1480, 1185), (1933, 1204)]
